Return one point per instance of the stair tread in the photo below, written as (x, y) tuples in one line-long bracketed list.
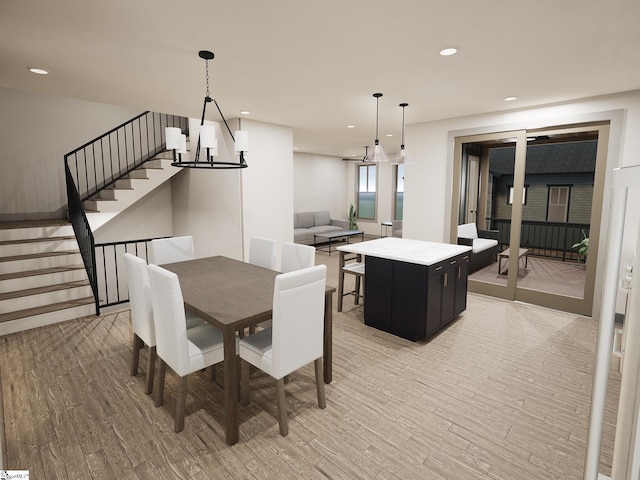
[(30, 256), (41, 271), (54, 307), (46, 289), (37, 240), (11, 224)]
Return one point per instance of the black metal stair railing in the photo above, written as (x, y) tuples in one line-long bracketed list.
[(83, 233), (99, 163)]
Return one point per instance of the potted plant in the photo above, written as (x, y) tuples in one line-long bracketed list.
[(583, 247), (351, 216)]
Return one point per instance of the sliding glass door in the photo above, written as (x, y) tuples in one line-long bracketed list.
[(537, 196)]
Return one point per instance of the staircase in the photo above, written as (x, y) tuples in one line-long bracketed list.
[(42, 277), (108, 203)]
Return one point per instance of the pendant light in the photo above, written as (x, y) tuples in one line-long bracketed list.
[(177, 141), (403, 156), (378, 154)]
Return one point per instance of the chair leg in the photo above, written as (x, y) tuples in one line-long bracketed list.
[(356, 297), (162, 368), (244, 382), (151, 366), (281, 403), (181, 403), (135, 354), (340, 281), (322, 403)]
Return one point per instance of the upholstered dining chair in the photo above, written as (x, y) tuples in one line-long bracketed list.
[(296, 256), (262, 252), (184, 350), (171, 250), (294, 340), (142, 316)]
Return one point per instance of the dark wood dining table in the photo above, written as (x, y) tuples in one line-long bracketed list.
[(232, 295)]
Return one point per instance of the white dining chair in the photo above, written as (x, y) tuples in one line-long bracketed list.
[(262, 252), (294, 340), (142, 316), (296, 256), (171, 250), (184, 350)]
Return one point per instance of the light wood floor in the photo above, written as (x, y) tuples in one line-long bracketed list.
[(503, 393)]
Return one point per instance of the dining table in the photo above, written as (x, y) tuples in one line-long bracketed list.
[(232, 295)]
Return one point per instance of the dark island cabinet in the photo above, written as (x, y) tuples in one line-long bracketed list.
[(411, 300)]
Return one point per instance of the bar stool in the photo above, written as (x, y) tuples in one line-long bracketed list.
[(353, 265)]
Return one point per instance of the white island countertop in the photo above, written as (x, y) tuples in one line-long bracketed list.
[(406, 250)]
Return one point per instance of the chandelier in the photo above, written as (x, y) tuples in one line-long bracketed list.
[(207, 142)]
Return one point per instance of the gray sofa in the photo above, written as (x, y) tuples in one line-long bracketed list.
[(306, 224)]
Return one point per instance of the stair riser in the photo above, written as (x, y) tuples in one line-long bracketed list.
[(22, 303), (125, 183), (46, 319), (39, 232), (34, 281), (13, 249), (39, 263)]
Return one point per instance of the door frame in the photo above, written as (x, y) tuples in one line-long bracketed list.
[(511, 291)]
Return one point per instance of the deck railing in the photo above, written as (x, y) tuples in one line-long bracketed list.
[(545, 239)]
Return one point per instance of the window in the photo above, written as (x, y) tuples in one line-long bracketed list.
[(366, 202), (558, 203), (398, 200)]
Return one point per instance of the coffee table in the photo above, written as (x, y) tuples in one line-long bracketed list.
[(337, 234), (522, 252)]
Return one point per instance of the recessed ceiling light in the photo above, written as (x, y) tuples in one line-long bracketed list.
[(351, 126), (38, 71), (296, 148), (389, 134), (510, 99), (245, 112), (448, 51)]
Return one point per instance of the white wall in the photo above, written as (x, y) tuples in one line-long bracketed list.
[(320, 183), (36, 131), (207, 203), (150, 217), (223, 209), (267, 184), (427, 200)]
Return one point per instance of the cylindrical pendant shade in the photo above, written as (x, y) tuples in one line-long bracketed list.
[(242, 141), (208, 137), (183, 144), (172, 135)]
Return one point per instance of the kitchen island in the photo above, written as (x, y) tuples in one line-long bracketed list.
[(412, 288)]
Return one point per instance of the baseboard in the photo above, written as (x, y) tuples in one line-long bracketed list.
[(3, 438)]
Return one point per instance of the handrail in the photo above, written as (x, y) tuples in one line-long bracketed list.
[(113, 290), (101, 162), (83, 233)]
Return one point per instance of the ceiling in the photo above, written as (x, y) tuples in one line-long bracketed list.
[(314, 66)]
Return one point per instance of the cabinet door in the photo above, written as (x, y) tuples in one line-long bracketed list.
[(434, 303), (378, 289), (409, 300), (462, 272), (448, 294)]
